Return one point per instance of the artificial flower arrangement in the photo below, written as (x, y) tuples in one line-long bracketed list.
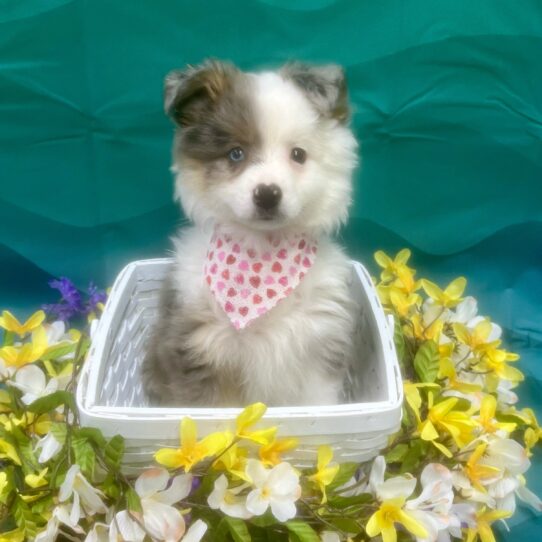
[(455, 467)]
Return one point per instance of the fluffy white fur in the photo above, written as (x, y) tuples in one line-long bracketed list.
[(299, 351)]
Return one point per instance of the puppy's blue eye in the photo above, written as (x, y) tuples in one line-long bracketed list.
[(237, 154)]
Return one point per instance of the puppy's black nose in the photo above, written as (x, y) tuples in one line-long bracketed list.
[(267, 196)]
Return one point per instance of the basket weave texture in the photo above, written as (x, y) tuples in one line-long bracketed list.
[(110, 393)]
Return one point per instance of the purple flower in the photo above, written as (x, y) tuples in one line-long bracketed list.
[(69, 292), (70, 303), (95, 296), (196, 482), (60, 311)]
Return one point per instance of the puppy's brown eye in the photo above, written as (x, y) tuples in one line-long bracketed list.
[(237, 154), (298, 155)]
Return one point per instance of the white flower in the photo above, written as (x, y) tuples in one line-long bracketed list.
[(505, 395), (31, 380), (101, 532), (431, 311), (161, 520), (527, 496), (433, 505), (49, 447), (461, 515), (465, 311), (61, 514), (195, 532), (56, 332), (277, 488), (507, 455), (392, 488), (84, 495), (227, 500), (511, 459)]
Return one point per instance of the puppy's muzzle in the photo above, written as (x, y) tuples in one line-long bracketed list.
[(267, 198)]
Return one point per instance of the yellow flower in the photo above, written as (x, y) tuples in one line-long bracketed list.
[(270, 453), (477, 339), (483, 521), (450, 296), (37, 480), (233, 460), (10, 323), (392, 268), (384, 519), (40, 424), (250, 416), (533, 434), (487, 420), (413, 397), (447, 370), (496, 360), (405, 281), (421, 331), (442, 416), (325, 470), (478, 474), (17, 356), (192, 451), (8, 451), (403, 302)]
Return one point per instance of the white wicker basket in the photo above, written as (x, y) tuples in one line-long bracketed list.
[(110, 394)]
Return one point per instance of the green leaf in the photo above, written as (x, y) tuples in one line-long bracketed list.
[(399, 341), (303, 531), (462, 404), (110, 486), (50, 402), (414, 456), (238, 529), (345, 502), (85, 456), (9, 338), (59, 431), (113, 452), (26, 452), (266, 520), (133, 502), (397, 453), (348, 525), (25, 519), (43, 505), (346, 472), (92, 434), (426, 361), (58, 350)]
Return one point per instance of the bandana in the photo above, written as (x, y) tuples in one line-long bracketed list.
[(248, 277)]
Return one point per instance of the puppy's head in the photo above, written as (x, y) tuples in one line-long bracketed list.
[(267, 151)]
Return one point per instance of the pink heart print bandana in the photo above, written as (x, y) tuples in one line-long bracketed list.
[(249, 278)]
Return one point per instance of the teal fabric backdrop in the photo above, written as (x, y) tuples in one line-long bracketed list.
[(448, 107)]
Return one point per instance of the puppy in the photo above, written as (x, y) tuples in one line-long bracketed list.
[(257, 305)]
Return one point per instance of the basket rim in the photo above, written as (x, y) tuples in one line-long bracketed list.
[(87, 387)]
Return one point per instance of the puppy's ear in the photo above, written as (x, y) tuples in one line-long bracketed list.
[(191, 92), (325, 87)]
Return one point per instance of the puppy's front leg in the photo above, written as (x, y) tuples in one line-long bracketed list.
[(172, 374)]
